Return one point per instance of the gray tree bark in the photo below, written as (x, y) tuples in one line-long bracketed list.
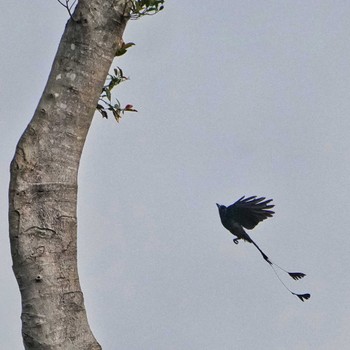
[(43, 185)]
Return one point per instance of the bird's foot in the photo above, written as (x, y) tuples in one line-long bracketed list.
[(235, 240)]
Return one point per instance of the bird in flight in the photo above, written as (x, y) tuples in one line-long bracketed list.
[(247, 213)]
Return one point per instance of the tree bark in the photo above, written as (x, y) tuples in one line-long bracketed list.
[(43, 184)]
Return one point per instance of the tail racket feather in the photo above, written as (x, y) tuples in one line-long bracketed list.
[(295, 275), (305, 296)]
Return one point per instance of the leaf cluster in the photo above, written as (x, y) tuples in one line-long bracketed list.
[(142, 8), (105, 104)]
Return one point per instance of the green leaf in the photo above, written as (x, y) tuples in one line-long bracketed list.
[(104, 114), (117, 115), (112, 83), (127, 45), (120, 52)]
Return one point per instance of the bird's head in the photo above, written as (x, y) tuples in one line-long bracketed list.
[(222, 208)]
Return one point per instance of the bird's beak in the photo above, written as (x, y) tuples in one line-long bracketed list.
[(218, 205)]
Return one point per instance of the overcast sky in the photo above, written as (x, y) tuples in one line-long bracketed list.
[(234, 98)]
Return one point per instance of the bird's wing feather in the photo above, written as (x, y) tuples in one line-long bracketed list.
[(250, 211)]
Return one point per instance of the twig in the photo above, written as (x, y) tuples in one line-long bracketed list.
[(66, 5)]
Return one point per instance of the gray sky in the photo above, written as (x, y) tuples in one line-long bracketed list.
[(235, 98)]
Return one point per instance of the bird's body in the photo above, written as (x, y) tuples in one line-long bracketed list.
[(247, 213), (237, 230)]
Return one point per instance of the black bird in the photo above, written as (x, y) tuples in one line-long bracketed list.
[(247, 213)]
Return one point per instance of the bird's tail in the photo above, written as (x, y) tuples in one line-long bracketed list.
[(266, 258), (244, 235), (294, 275)]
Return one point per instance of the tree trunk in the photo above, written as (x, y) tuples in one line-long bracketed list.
[(43, 185)]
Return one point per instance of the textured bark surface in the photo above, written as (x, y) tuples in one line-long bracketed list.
[(43, 185)]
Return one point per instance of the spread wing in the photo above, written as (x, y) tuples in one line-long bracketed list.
[(250, 211)]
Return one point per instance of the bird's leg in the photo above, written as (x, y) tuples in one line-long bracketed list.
[(235, 240)]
